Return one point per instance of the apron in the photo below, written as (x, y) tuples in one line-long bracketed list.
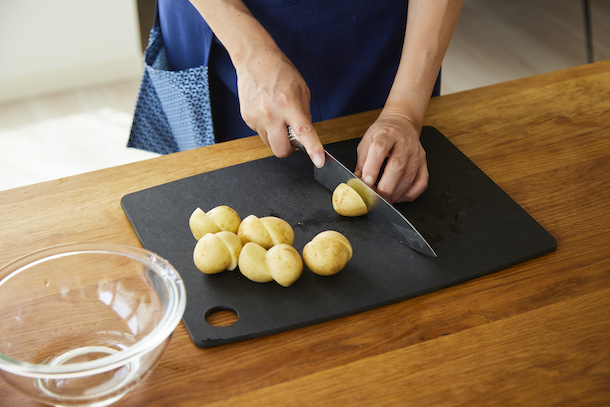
[(347, 51), (172, 110)]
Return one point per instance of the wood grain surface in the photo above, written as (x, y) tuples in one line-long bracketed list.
[(535, 334)]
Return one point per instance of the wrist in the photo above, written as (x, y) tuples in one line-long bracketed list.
[(401, 115)]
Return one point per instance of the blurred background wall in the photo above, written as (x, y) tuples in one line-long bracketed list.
[(47, 46)]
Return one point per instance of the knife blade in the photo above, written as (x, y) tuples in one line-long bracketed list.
[(392, 221)]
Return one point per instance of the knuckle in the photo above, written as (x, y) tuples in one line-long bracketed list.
[(303, 129), (304, 90), (380, 145), (396, 164), (282, 100), (409, 177)]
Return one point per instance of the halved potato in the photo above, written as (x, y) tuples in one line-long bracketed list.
[(234, 247), (200, 224), (211, 255), (252, 263), (279, 230), (348, 202), (284, 264), (225, 217), (253, 230)]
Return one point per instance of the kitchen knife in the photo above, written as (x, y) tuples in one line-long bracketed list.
[(334, 173)]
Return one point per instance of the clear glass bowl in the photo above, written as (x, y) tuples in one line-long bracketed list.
[(82, 324)]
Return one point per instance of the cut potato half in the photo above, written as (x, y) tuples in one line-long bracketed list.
[(348, 202), (200, 224), (211, 255), (284, 264), (253, 230), (234, 247), (225, 217), (279, 230), (252, 263)]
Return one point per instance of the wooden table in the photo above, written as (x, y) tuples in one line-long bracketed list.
[(535, 334)]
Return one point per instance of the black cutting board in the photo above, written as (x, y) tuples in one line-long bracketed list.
[(472, 224)]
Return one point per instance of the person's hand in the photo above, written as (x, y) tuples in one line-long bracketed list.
[(395, 137), (274, 95)]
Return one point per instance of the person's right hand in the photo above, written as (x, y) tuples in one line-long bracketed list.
[(273, 95)]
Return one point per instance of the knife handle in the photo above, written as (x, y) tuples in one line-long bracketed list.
[(294, 140)]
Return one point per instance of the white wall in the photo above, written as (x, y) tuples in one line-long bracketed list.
[(49, 46)]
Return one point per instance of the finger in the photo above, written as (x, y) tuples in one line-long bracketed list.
[(377, 152), (414, 179), (417, 188), (397, 176), (300, 121), (362, 150), (308, 135), (279, 141)]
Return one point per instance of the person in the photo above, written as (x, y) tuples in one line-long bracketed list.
[(278, 63)]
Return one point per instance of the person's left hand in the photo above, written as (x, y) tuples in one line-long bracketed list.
[(395, 137)]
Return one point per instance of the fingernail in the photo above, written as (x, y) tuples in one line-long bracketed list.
[(368, 180)]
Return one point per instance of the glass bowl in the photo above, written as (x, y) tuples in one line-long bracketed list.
[(82, 324)]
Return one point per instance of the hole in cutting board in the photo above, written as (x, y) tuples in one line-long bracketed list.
[(221, 316)]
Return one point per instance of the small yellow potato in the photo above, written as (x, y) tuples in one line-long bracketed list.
[(253, 230), (348, 202), (211, 255), (284, 264), (279, 230), (234, 246), (200, 224), (252, 263), (333, 234), (327, 254), (225, 217)]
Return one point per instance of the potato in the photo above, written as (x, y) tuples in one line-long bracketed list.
[(284, 264), (253, 230), (279, 230), (234, 247), (348, 202), (225, 218), (211, 255), (333, 234), (200, 224), (327, 253), (252, 263)]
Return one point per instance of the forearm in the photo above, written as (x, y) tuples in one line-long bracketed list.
[(430, 25), (238, 30)]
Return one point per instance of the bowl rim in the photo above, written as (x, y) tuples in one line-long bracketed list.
[(172, 316)]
